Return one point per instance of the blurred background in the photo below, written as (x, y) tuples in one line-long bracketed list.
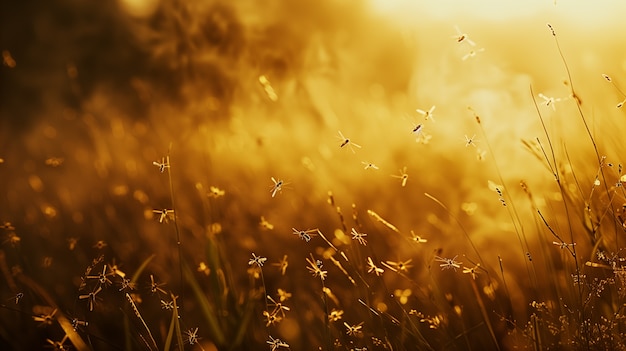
[(238, 93)]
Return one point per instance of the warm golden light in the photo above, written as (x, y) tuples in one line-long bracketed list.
[(336, 175)]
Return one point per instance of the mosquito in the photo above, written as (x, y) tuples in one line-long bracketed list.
[(77, 324), (470, 141), (472, 53), (418, 129), (269, 90), (550, 101), (427, 114), (92, 297), (347, 142), (165, 163), (45, 319), (192, 336), (404, 176), (462, 37), (305, 234), (17, 297), (164, 214), (277, 187), (369, 165)]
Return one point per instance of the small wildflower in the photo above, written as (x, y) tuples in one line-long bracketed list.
[(271, 318), (215, 192), (549, 101), (448, 263), (282, 265), (203, 268), (369, 165), (305, 234), (315, 268), (265, 224), (540, 306), (428, 115), (404, 176), (191, 336), (275, 344), (100, 244), (354, 330), (490, 290), (12, 239), (335, 315), (403, 295), (399, 267), (54, 161), (164, 215), (472, 271), (371, 267), (578, 278), (257, 260), (47, 261), (360, 237), (283, 295), (7, 59), (214, 229), (45, 319), (163, 165), (347, 142), (433, 322), (254, 272), (423, 138), (71, 243)]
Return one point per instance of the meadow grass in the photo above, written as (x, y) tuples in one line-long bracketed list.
[(223, 239)]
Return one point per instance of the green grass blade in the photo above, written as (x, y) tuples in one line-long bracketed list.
[(205, 306), (176, 319), (244, 322), (141, 268), (170, 332)]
